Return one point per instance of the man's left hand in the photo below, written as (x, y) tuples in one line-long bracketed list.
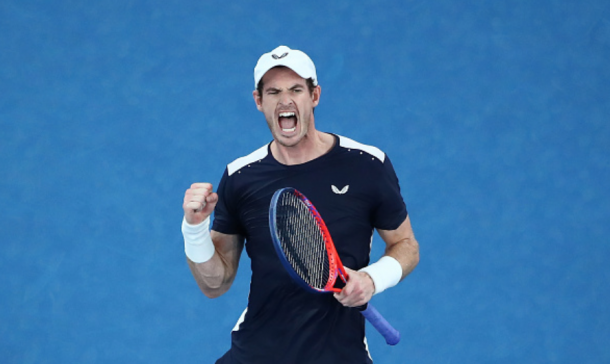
[(358, 290)]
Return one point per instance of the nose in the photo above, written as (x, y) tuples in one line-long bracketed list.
[(285, 99)]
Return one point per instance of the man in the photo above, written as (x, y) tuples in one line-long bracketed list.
[(355, 189)]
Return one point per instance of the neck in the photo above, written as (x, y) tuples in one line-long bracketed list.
[(308, 149)]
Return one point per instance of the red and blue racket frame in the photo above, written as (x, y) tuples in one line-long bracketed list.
[(336, 269)]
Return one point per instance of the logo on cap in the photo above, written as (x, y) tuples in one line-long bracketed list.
[(275, 56)]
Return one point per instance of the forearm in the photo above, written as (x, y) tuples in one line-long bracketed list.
[(400, 258), (212, 257), (406, 252), (214, 277), (402, 246)]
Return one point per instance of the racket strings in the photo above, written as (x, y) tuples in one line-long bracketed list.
[(302, 241)]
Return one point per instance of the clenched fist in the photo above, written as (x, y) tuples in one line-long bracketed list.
[(199, 202)]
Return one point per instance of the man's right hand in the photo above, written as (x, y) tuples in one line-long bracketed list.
[(199, 202)]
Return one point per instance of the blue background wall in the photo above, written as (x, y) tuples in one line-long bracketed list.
[(495, 115)]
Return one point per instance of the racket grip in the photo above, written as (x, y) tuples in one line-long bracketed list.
[(390, 334)]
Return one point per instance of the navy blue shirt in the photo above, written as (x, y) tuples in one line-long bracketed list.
[(355, 189)]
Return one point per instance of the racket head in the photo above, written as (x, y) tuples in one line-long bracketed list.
[(302, 242)]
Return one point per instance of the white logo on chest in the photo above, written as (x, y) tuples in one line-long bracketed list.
[(342, 191)]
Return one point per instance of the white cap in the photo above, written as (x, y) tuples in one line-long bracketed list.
[(294, 59)]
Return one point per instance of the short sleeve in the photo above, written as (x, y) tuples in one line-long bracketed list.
[(226, 219), (391, 210)]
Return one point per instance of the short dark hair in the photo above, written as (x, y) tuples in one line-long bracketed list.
[(309, 81)]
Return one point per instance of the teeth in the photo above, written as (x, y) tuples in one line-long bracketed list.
[(288, 114)]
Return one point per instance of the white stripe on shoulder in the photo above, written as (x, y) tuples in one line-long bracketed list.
[(255, 156), (352, 144)]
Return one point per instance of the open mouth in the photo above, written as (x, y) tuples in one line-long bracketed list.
[(288, 121)]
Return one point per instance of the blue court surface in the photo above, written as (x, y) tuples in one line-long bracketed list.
[(496, 115)]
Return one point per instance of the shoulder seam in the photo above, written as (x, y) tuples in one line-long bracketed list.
[(241, 162), (352, 144)]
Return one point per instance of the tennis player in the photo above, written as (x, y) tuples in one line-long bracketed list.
[(355, 188)]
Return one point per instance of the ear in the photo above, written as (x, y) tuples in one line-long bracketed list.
[(315, 96), (257, 100)]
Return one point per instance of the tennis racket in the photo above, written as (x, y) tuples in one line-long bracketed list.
[(307, 251)]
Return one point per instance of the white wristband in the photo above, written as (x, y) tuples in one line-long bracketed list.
[(198, 244), (385, 273)]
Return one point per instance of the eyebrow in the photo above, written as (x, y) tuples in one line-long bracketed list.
[(271, 89), (294, 87)]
